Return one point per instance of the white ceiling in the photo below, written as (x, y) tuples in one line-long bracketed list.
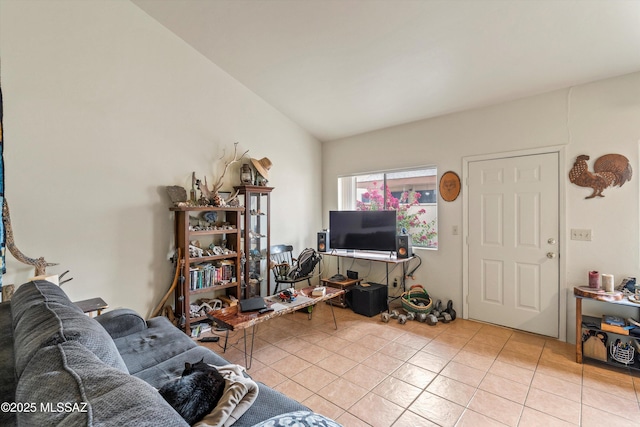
[(344, 67)]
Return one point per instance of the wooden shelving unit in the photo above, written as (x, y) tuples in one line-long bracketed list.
[(584, 322), (184, 234)]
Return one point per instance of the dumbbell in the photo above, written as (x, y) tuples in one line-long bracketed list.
[(421, 317), (386, 316), (443, 315), (410, 315), (437, 314), (431, 319), (437, 308)]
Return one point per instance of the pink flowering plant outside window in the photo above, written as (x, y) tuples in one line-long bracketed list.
[(409, 213)]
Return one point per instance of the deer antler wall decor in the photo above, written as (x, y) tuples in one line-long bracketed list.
[(212, 197)]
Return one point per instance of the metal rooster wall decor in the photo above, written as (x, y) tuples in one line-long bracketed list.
[(610, 170)]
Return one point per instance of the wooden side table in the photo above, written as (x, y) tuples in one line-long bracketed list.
[(340, 301), (92, 305), (617, 298)]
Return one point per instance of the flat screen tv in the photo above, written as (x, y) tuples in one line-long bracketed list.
[(362, 230)]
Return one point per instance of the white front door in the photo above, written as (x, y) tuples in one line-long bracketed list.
[(513, 242)]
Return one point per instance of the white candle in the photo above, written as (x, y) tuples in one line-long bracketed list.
[(607, 282)]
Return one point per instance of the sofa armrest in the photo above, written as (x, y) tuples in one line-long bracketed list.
[(121, 322)]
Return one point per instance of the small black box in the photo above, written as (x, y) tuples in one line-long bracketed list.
[(368, 300), (352, 274)]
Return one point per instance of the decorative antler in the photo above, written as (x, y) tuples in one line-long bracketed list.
[(218, 185), (204, 189), (212, 195), (232, 197)]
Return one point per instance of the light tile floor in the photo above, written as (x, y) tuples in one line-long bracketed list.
[(465, 373)]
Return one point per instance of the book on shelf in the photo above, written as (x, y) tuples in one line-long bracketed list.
[(208, 275), (615, 324), (613, 320)]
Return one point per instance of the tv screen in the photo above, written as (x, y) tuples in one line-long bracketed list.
[(363, 230)]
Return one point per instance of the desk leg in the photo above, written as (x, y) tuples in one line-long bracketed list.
[(335, 324), (578, 330), (226, 340), (253, 335)]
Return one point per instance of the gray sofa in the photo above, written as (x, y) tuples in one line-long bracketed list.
[(60, 367)]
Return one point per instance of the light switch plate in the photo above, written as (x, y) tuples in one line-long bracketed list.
[(581, 234)]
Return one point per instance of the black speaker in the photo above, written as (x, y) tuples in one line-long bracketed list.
[(323, 241), (403, 246)]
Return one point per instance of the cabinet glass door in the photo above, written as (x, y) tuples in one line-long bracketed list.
[(256, 239), (257, 258)]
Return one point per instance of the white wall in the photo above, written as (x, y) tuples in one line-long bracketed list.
[(103, 108), (595, 119)]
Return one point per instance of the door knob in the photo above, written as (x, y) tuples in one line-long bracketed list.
[(551, 255), (551, 241)]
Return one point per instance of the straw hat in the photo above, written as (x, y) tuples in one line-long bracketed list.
[(262, 166)]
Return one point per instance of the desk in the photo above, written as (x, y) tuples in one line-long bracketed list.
[(91, 305), (387, 258), (233, 320)]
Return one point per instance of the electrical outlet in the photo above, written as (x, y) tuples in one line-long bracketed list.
[(581, 234), (395, 282)]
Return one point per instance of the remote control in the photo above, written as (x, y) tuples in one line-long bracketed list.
[(209, 339), (265, 310)]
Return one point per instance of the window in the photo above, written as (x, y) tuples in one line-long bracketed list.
[(412, 193)]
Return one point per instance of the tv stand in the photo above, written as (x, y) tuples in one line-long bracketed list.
[(386, 257)]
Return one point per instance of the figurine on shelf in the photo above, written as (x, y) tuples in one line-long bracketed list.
[(195, 252)]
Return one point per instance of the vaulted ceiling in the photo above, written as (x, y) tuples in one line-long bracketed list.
[(344, 67)]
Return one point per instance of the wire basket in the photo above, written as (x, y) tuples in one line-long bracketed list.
[(417, 300), (622, 352)]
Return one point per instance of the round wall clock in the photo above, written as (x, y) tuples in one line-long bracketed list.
[(449, 186)]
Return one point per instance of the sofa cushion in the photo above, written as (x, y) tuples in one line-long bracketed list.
[(90, 392), (161, 341), (158, 374), (42, 317), (121, 322)]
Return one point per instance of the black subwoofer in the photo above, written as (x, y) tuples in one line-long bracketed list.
[(367, 300)]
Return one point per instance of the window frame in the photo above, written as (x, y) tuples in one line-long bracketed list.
[(348, 196)]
